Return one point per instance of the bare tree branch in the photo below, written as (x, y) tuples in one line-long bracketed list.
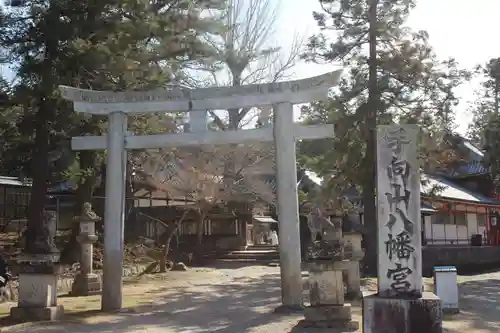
[(246, 53)]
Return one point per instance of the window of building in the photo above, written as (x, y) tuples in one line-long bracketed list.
[(481, 220), (189, 228), (459, 219), (441, 218), (220, 227)]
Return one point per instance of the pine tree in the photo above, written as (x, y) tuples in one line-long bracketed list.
[(487, 102), (485, 127), (391, 75), (108, 44)]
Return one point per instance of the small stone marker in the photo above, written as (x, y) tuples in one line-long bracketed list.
[(86, 282), (399, 306), (446, 288)]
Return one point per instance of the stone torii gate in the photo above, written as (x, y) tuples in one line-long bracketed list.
[(118, 105)]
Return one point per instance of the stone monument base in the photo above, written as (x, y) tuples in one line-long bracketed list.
[(402, 315), (86, 285), (329, 316)]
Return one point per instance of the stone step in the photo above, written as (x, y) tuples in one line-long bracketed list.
[(251, 255), (252, 251), (249, 260), (262, 247)]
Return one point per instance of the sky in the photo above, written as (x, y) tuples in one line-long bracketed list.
[(465, 30)]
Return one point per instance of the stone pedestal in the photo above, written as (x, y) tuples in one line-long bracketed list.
[(86, 283), (37, 289), (354, 253), (326, 293), (402, 315)]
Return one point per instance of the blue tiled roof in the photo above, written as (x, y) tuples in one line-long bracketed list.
[(475, 153), (471, 168), (424, 208)]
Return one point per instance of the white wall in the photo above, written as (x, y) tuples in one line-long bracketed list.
[(452, 234)]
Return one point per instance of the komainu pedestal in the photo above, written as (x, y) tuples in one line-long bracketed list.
[(354, 253), (402, 315), (326, 289), (37, 301), (38, 270)]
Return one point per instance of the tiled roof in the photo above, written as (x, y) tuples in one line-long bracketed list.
[(473, 158), (468, 169), (13, 181), (449, 190), (474, 152), (424, 208)]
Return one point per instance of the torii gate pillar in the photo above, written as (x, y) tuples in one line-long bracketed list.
[(288, 207)]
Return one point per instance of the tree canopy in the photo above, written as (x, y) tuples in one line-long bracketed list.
[(391, 75), (111, 44), (485, 127), (414, 86)]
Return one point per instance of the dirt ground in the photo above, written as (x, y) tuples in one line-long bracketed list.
[(233, 300)]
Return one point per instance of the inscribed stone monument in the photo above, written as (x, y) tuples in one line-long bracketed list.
[(400, 304), (398, 183)]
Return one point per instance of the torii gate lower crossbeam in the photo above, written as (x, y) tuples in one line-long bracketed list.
[(284, 133)]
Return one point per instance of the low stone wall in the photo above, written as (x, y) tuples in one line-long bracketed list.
[(460, 256), (66, 281)]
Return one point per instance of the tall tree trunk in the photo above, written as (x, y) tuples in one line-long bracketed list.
[(166, 250), (199, 229), (199, 252), (45, 114), (169, 235), (40, 174), (369, 186)]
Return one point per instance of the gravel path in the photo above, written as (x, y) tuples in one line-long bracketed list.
[(235, 300)]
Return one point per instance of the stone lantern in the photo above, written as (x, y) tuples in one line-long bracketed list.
[(86, 282)]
